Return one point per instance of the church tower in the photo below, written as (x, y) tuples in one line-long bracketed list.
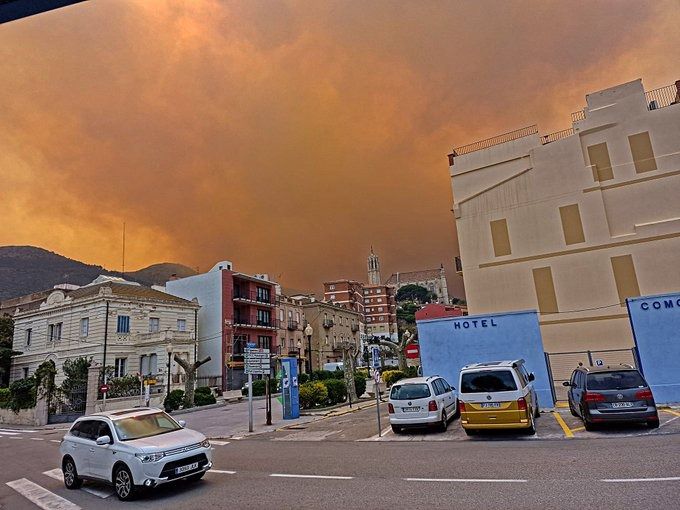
[(373, 269)]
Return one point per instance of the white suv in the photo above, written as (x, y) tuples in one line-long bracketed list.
[(132, 448), (422, 401)]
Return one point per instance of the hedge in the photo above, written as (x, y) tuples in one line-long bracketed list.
[(359, 383), (337, 391), (174, 400), (204, 399), (313, 394), (389, 377)]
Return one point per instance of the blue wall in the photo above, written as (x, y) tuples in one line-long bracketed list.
[(448, 344), (656, 329)]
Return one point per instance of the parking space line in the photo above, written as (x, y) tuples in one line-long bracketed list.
[(578, 429), (218, 443), (466, 480), (624, 480), (40, 496), (562, 423), (221, 471), (670, 411), (322, 477), (57, 474)]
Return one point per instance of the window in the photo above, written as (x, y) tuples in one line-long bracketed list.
[(380, 308), (119, 368), (290, 314), (263, 295), (487, 381), (84, 326), (642, 152), (625, 277), (379, 300), (545, 290), (599, 160), (437, 386), (123, 324), (331, 287), (144, 365), (332, 297), (181, 324), (500, 237), (571, 224), (154, 324), (281, 314), (297, 316), (263, 318), (54, 332), (25, 372), (409, 391), (29, 334), (264, 342)]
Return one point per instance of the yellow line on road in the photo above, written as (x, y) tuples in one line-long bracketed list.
[(578, 429), (561, 423), (671, 412)]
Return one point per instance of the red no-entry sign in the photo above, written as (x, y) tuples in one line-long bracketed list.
[(104, 388), (412, 351)]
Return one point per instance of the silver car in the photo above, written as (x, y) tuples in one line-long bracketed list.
[(132, 448), (422, 401)]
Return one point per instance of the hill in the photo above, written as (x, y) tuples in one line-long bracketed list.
[(26, 269)]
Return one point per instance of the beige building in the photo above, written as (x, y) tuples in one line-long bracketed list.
[(332, 325), (291, 325), (573, 223), (141, 326), (433, 280)]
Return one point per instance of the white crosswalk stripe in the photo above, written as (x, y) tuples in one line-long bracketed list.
[(100, 492), (40, 496), (218, 443)]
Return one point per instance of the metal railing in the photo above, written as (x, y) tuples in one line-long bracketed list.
[(557, 135), (579, 115), (293, 325), (254, 297), (328, 323), (664, 96), (255, 322), (496, 140)]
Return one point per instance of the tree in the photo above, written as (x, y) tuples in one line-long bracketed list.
[(415, 293), (190, 383), (6, 352), (349, 356)]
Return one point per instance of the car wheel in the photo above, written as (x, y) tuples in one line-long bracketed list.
[(71, 480), (572, 410), (532, 427), (444, 424), (196, 477), (124, 484), (537, 411), (470, 432), (396, 429), (654, 424), (456, 413)]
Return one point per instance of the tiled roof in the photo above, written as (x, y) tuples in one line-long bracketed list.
[(414, 276), (128, 291)]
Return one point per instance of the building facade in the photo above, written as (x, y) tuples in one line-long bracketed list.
[(236, 309), (575, 222), (332, 325), (291, 324), (433, 280), (138, 325)]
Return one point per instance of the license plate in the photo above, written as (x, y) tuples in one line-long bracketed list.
[(184, 469), (493, 405), (410, 409), (622, 404)]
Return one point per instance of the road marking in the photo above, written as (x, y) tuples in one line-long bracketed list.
[(218, 443), (322, 477), (624, 480), (4, 433), (18, 431), (57, 474), (54, 441), (561, 423), (36, 438), (220, 471), (41, 497), (466, 480), (13, 437), (377, 437), (671, 412)]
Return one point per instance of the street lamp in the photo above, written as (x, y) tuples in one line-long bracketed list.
[(168, 349), (299, 346), (309, 331)]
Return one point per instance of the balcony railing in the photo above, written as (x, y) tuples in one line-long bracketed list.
[(254, 297), (254, 322), (163, 337), (577, 116), (664, 96), (328, 323), (557, 135), (496, 140), (293, 325), (459, 265)]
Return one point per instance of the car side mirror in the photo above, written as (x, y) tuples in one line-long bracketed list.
[(182, 423), (531, 377), (567, 384), (103, 440)]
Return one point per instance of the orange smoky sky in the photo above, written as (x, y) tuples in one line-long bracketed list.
[(287, 137)]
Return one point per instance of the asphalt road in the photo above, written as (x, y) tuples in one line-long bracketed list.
[(627, 471)]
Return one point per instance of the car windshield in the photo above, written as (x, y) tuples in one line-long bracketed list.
[(145, 425), (486, 381), (620, 380), (409, 391)]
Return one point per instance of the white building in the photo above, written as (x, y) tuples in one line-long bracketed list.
[(573, 223), (137, 324)]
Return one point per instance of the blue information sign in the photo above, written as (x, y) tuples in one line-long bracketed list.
[(375, 357)]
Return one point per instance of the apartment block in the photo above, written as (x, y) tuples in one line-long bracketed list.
[(574, 222)]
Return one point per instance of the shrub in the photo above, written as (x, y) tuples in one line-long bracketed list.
[(260, 387), (389, 377), (174, 400), (320, 375), (359, 383), (203, 389), (337, 391), (411, 372), (5, 397), (313, 394), (23, 394), (303, 378), (126, 386), (75, 372), (204, 399)]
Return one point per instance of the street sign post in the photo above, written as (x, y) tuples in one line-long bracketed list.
[(376, 378), (257, 361)]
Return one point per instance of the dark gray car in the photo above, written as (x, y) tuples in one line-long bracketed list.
[(611, 394)]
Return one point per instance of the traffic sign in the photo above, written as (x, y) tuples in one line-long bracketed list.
[(375, 357), (104, 388), (257, 361), (412, 351), (599, 362)]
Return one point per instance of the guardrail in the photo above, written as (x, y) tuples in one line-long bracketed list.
[(557, 135), (579, 115), (663, 96), (495, 140)]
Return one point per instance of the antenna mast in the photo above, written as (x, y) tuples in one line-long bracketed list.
[(123, 271)]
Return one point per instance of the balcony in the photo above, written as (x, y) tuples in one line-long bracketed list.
[(355, 328), (328, 323), (459, 265), (664, 96), (254, 298), (490, 142), (293, 325), (163, 337), (254, 322)]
